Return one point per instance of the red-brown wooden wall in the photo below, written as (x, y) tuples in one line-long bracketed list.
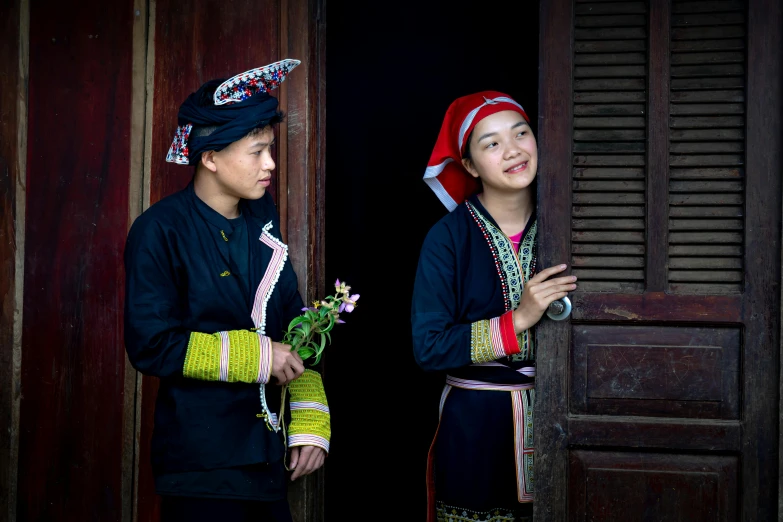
[(88, 102), (73, 364)]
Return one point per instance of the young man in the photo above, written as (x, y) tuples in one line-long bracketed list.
[(209, 292)]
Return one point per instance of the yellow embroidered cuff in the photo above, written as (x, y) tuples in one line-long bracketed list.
[(491, 339), (310, 424), (233, 356)]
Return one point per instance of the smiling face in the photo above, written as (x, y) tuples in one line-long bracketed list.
[(503, 153), (244, 168)]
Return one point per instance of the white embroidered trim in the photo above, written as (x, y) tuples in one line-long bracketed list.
[(271, 276), (308, 440), (263, 293), (309, 405), (224, 355), (264, 359)]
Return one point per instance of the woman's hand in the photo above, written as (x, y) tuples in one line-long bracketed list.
[(538, 294)]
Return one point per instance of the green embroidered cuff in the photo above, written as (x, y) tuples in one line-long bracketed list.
[(310, 421), (492, 339), (233, 356)]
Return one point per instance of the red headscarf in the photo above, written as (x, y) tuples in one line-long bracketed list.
[(445, 174)]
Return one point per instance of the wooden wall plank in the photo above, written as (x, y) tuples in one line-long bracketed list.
[(138, 193), (302, 37), (145, 503), (14, 28), (73, 364)]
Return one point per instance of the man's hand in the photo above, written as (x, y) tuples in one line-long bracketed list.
[(305, 460), (539, 293), (286, 365)]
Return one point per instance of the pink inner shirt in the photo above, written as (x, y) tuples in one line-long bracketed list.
[(516, 239)]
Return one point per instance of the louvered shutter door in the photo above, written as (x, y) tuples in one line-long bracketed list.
[(659, 140)]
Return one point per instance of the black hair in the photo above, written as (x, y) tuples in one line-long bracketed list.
[(466, 155)]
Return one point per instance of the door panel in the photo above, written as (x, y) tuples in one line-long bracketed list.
[(623, 486), (655, 371), (657, 399)]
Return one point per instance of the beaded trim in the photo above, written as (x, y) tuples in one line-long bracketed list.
[(178, 152), (249, 83), (504, 256), (446, 513)]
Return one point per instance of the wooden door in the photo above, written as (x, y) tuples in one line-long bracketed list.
[(660, 133)]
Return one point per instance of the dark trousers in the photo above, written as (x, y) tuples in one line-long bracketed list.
[(195, 509)]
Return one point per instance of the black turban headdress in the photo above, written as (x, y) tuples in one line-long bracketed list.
[(238, 105)]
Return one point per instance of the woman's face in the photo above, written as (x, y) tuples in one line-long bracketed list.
[(503, 153)]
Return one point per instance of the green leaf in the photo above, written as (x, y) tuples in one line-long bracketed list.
[(332, 322), (305, 353), (294, 322)]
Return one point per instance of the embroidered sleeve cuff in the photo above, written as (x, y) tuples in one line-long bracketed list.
[(310, 419), (492, 339), (233, 356)]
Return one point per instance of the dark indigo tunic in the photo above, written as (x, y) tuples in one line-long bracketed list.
[(180, 278), (467, 272)]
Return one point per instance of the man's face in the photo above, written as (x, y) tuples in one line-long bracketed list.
[(244, 168)]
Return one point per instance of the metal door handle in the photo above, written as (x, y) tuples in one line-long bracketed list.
[(560, 309)]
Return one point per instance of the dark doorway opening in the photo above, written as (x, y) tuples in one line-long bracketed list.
[(390, 79)]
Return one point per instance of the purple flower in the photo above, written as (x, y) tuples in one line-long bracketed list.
[(350, 303)]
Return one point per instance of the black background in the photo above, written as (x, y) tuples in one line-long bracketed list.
[(392, 70)]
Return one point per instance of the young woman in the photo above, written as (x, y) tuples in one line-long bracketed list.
[(477, 296)]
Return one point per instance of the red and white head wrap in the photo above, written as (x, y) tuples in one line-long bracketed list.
[(445, 174)]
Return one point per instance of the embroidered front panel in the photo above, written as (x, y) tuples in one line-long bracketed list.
[(505, 258), (486, 342), (522, 402), (234, 356), (527, 260), (446, 513), (310, 420)]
